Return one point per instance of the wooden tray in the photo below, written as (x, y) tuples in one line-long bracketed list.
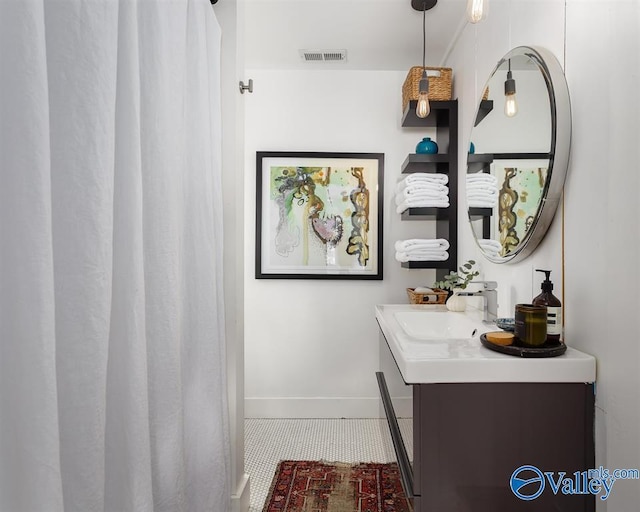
[(546, 350)]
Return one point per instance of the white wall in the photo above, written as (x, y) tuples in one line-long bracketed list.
[(601, 233), (312, 346)]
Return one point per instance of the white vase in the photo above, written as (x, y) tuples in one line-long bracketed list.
[(457, 302)]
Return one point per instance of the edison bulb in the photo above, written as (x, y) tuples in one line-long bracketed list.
[(476, 10), (510, 105), (422, 108)]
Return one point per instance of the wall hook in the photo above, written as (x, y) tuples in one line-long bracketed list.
[(246, 87)]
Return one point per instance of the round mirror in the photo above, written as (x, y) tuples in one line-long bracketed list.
[(518, 154)]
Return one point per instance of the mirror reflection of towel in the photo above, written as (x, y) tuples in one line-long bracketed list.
[(482, 203), (481, 187), (490, 247), (481, 177)]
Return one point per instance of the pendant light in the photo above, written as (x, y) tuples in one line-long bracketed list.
[(510, 104), (422, 108), (477, 10)]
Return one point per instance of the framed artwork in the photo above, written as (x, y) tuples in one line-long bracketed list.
[(319, 215), (522, 185)]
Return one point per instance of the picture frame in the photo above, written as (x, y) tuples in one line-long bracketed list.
[(522, 184), (319, 215)]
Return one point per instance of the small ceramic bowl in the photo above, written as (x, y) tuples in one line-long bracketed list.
[(506, 324)]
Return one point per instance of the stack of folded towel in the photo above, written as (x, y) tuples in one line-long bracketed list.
[(420, 190), (490, 247), (418, 249), (482, 190)]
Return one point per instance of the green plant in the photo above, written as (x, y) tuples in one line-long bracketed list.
[(458, 279)]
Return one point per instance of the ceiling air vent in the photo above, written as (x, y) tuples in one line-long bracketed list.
[(323, 55)]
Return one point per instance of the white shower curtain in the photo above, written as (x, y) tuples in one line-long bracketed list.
[(112, 363)]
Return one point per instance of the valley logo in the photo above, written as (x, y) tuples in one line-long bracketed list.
[(528, 482)]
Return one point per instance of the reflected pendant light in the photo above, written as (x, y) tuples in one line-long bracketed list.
[(423, 108), (477, 10), (510, 104)]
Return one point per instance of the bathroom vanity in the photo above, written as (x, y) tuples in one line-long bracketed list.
[(479, 415)]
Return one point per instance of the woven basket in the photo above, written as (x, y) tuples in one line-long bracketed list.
[(427, 298), (439, 85)]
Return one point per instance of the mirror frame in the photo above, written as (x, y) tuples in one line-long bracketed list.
[(559, 150)]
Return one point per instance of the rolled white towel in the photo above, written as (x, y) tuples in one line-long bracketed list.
[(439, 244), (491, 248), (403, 186), (482, 191), (426, 176), (427, 191), (428, 294), (422, 256), (481, 177), (481, 203), (491, 201), (422, 203), (421, 196), (481, 187), (490, 245), (483, 194), (482, 197)]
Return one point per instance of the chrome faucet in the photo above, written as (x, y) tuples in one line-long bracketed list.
[(489, 292)]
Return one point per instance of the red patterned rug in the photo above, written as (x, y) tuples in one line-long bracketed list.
[(312, 486)]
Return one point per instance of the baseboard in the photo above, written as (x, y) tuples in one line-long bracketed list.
[(240, 499), (322, 407)]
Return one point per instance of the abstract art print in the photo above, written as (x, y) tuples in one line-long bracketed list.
[(521, 191), (319, 215)]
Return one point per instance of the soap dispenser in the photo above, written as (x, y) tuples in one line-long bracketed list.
[(554, 308)]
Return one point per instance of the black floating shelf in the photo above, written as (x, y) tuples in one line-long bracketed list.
[(520, 156), (425, 163), (480, 157), (480, 212), (411, 120), (427, 264), (486, 106), (490, 157), (479, 162), (426, 214)]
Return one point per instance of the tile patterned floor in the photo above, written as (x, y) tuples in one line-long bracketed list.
[(268, 441)]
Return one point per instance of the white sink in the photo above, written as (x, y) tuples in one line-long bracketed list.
[(433, 345), (439, 325)]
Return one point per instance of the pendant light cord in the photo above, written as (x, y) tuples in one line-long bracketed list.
[(424, 33)]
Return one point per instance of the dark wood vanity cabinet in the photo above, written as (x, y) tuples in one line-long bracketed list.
[(444, 117), (469, 438)]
